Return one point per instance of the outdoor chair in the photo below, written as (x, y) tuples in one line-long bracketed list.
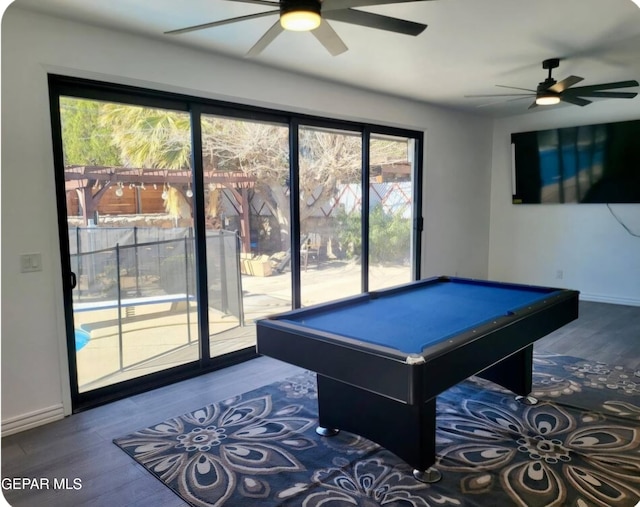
[(310, 247)]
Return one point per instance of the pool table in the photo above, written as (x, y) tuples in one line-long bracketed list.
[(383, 357)]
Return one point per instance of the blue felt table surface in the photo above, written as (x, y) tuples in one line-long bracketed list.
[(413, 320)]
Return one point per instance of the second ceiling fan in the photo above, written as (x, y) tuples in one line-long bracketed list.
[(550, 91), (305, 15)]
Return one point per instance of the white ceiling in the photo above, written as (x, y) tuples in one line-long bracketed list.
[(468, 47)]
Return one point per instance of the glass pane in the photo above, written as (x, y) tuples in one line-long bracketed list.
[(246, 175), (390, 211), (127, 182), (330, 214)]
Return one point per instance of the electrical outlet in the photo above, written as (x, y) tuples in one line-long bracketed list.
[(559, 274), (30, 262)]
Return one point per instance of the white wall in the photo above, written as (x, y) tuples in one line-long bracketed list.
[(34, 371), (531, 243)]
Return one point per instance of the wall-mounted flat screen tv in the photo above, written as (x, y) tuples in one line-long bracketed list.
[(586, 164)]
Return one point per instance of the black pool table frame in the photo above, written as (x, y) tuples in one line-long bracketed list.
[(389, 397)]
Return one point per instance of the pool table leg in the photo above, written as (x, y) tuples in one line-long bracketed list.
[(327, 432), (527, 400), (408, 431), (514, 372)]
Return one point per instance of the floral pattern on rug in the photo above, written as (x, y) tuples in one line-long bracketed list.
[(208, 455), (369, 483), (602, 376), (580, 446), (540, 455)]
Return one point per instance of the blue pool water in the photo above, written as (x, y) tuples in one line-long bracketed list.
[(82, 338)]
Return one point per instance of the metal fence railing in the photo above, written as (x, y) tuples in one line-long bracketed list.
[(123, 277), (130, 268)]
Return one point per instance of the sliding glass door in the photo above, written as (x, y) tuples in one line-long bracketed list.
[(245, 176), (129, 211), (183, 220), (391, 210), (330, 181)]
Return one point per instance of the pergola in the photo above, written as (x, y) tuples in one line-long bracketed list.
[(92, 182)]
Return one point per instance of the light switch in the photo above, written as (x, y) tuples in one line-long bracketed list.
[(30, 262)]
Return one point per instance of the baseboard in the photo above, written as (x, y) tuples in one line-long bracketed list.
[(32, 420), (595, 298)]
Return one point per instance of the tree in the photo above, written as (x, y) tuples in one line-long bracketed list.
[(258, 149), (261, 150), (148, 137), (389, 235), (86, 139)]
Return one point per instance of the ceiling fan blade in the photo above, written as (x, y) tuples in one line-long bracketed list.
[(329, 38), (561, 86), (221, 22), (581, 90), (609, 95), (259, 2), (494, 102), (523, 95), (516, 88), (331, 5), (269, 36), (574, 100), (377, 21)]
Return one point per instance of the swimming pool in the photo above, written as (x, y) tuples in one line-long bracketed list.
[(82, 338)]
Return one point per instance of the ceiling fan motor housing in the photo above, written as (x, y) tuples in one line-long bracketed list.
[(546, 84), (287, 6)]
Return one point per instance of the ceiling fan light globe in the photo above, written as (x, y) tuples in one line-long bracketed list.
[(547, 100), (300, 20)]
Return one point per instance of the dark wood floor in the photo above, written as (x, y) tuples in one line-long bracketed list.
[(80, 446), (603, 332)]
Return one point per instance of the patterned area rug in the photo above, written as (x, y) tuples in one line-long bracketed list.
[(580, 446)]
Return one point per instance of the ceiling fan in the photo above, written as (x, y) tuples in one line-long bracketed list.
[(305, 15), (550, 91)]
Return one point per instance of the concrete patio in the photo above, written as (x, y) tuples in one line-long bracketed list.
[(160, 336)]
